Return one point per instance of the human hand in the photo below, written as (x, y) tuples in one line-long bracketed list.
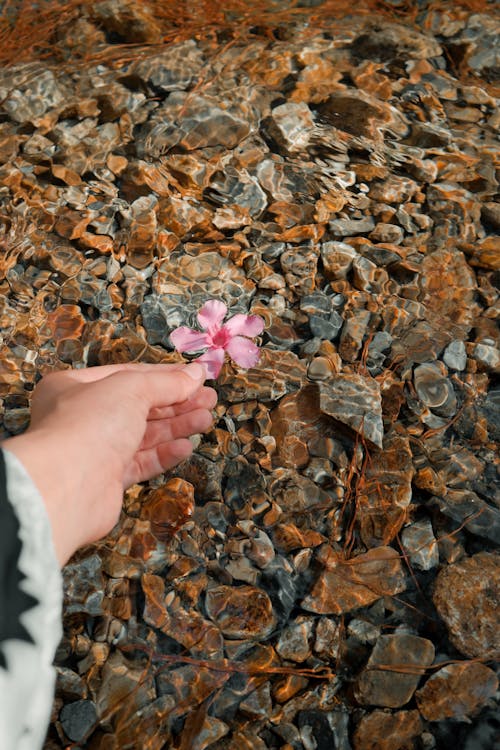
[(95, 432)]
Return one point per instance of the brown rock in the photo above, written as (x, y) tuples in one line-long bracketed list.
[(130, 20), (66, 322), (169, 507), (242, 612), (466, 596), (385, 491), (387, 731), (457, 691), (288, 537), (394, 669), (346, 585)]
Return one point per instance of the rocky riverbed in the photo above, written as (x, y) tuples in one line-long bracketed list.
[(323, 573)]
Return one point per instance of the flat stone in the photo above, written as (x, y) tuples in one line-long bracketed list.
[(292, 125), (78, 719), (294, 641), (351, 227), (169, 507), (383, 686), (84, 586), (337, 258), (242, 612), (354, 401), (353, 333), (465, 507), (385, 494), (383, 232), (421, 545), (326, 328), (387, 731), (457, 691), (346, 585), (466, 596), (455, 356)]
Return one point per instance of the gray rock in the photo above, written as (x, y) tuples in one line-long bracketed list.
[(351, 227), (355, 401), (316, 304), (337, 259), (292, 125), (487, 356), (382, 686), (326, 328), (421, 545), (455, 356), (463, 506), (78, 719), (84, 586)]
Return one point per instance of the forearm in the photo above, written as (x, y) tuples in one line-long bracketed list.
[(58, 476)]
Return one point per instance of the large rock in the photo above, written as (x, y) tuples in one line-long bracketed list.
[(346, 585), (394, 669), (457, 691), (466, 596)]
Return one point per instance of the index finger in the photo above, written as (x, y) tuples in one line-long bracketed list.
[(157, 387), (93, 374)]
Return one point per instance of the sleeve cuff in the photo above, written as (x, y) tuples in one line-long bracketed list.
[(27, 684)]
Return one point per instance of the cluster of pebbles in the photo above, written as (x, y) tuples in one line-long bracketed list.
[(323, 572)]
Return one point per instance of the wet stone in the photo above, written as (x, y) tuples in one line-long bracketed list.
[(84, 586), (292, 125), (434, 389), (346, 585), (457, 691), (487, 357), (353, 333), (78, 719), (354, 401), (480, 517), (387, 731), (351, 227), (466, 596), (420, 544), (455, 356), (174, 70), (294, 641), (243, 612), (383, 686), (337, 177), (326, 328), (316, 730)]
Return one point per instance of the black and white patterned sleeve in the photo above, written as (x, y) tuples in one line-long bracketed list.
[(30, 609)]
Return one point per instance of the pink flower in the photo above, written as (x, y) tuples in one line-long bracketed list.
[(218, 338)]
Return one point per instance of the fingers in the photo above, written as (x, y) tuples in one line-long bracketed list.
[(92, 374), (149, 463), (184, 425), (204, 398), (149, 388)]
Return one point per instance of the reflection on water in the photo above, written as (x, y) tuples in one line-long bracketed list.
[(290, 584)]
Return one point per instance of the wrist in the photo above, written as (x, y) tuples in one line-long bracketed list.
[(39, 456)]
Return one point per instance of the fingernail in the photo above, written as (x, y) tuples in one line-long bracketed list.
[(196, 371)]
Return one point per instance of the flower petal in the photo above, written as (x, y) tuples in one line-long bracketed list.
[(211, 315), (245, 325), (244, 352), (213, 359), (185, 339)]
